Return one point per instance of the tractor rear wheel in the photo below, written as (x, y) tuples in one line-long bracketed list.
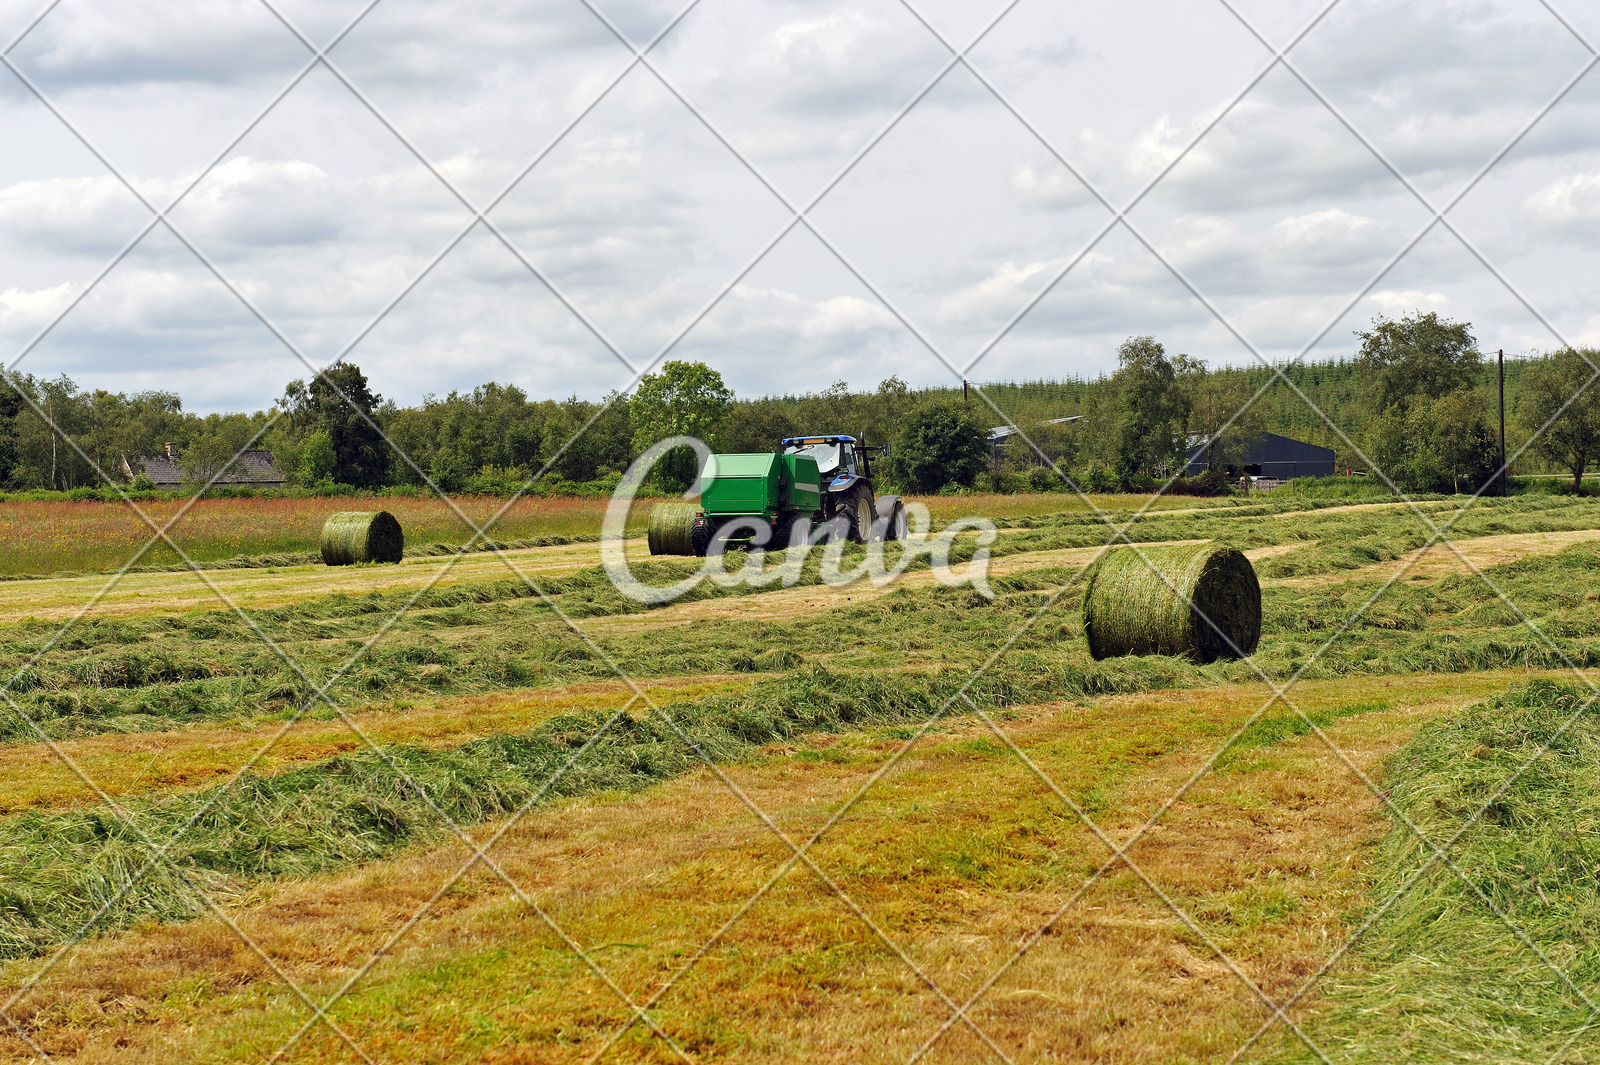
[(858, 522)]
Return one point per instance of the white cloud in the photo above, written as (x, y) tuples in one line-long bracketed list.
[(1567, 204), (847, 314), (1394, 301), (33, 308), (1003, 292), (640, 216)]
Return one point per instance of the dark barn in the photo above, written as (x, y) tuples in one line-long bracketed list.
[(1275, 456)]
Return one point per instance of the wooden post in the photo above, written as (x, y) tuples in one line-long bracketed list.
[(1500, 359)]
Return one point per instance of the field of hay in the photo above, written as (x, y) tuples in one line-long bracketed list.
[(38, 538), (416, 813)]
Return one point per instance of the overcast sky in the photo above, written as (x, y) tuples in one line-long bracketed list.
[(959, 216)]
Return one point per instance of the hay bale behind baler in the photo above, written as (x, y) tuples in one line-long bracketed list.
[(1128, 609), (670, 526), (352, 536)]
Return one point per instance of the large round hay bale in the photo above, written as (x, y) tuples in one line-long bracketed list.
[(670, 525), (1129, 609), (352, 536)]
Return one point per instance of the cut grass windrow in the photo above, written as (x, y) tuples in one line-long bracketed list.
[(1439, 977), (63, 866), (957, 853), (151, 674)]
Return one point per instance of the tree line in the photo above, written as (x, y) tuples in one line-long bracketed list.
[(1416, 399)]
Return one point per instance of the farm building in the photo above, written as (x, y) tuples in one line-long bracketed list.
[(255, 467), (1000, 434), (1274, 456)]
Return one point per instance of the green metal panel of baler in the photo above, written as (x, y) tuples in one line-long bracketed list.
[(740, 484), (805, 483)]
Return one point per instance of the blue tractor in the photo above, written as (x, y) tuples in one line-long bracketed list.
[(847, 486), (821, 479)]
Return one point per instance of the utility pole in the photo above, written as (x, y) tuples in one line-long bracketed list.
[(963, 390), (1500, 359)]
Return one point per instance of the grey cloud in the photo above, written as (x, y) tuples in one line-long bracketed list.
[(321, 216)]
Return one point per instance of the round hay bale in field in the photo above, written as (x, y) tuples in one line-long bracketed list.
[(1130, 610), (352, 536), (670, 525)]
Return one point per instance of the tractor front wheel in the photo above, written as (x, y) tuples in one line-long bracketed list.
[(700, 535)]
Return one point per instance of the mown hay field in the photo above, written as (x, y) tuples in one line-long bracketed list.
[(956, 766), (41, 538), (92, 536)]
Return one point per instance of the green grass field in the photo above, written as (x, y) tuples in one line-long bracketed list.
[(481, 696)]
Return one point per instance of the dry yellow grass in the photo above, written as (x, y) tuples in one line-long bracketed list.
[(1256, 554), (958, 854), (176, 592), (1441, 560), (183, 759)]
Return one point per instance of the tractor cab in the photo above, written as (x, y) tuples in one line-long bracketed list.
[(841, 460)]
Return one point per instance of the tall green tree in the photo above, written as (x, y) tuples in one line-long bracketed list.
[(759, 425), (684, 399), (942, 444), (11, 408), (585, 441), (1437, 445), (212, 443), (1572, 439), (1225, 412), (1421, 356), (1429, 428), (1154, 395), (339, 402)]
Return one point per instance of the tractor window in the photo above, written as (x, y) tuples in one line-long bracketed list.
[(827, 455), (850, 460)]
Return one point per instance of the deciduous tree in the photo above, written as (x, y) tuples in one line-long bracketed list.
[(684, 399), (942, 444), (1553, 390)]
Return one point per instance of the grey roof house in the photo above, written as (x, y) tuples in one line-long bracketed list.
[(1000, 434), (255, 467)]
